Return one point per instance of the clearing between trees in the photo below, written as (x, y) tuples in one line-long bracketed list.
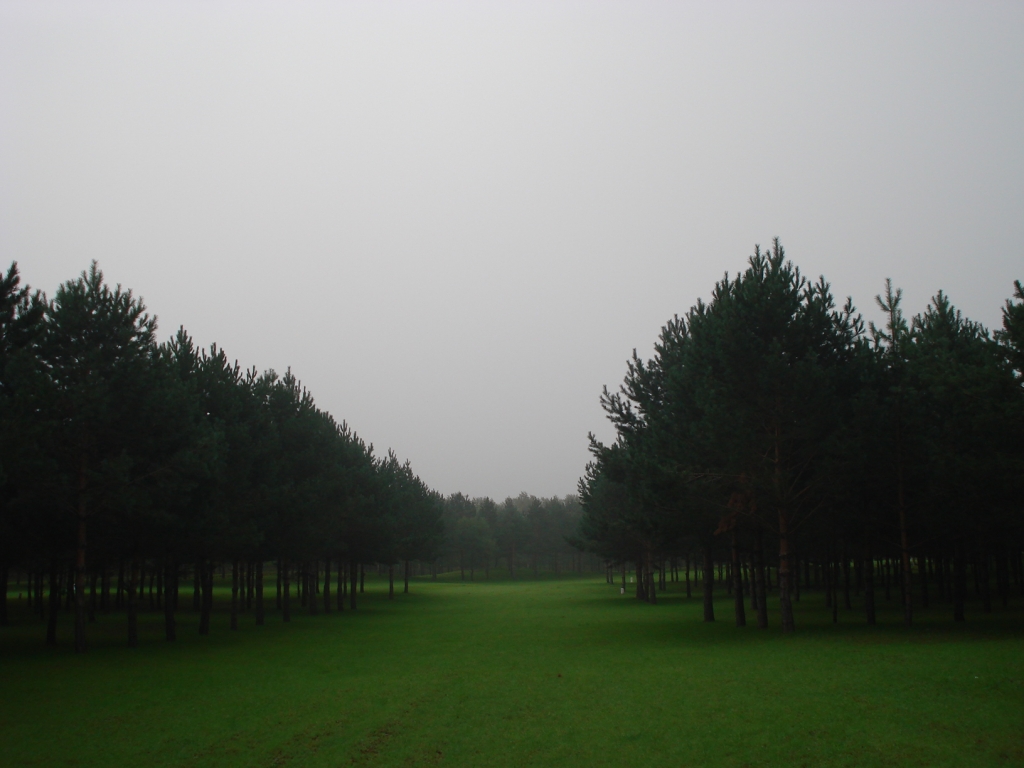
[(547, 672)]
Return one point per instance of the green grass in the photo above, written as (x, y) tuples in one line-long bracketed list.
[(534, 673)]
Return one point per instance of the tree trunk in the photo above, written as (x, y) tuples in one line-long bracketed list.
[(922, 569), (709, 585), (908, 604), (391, 581), (105, 589), (354, 579), (689, 593), (959, 582), (829, 587), (197, 594), (286, 590), (846, 579), (119, 588), (652, 597), (737, 579), (986, 594), (784, 573), (259, 593), (869, 588), (67, 588), (234, 594), (93, 577), (51, 625), (327, 585), (752, 567), (278, 606), (1003, 576), (206, 596), (80, 563), (906, 582), (834, 570), (245, 586), (40, 607), (760, 592), (250, 583), (406, 590), (362, 578), (340, 585), (159, 585), (312, 580), (795, 578), (1020, 572), (170, 598), (133, 603)]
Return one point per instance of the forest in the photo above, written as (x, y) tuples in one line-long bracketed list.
[(880, 457), (128, 467)]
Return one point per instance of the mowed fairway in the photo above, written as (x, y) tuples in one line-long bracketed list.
[(533, 673)]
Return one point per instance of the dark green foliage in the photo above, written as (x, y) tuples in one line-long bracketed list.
[(768, 414), (1012, 333), (540, 535), (157, 461)]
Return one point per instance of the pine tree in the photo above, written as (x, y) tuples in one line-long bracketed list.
[(97, 344)]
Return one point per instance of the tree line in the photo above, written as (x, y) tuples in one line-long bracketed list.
[(525, 532), (878, 455), (122, 458)]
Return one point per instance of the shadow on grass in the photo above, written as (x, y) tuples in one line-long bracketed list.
[(574, 605), (677, 618)]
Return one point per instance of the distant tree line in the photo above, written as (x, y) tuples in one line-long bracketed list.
[(122, 460), (875, 457), (526, 532)]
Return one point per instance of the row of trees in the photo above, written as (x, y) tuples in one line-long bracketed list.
[(119, 454), (526, 531), (771, 414)]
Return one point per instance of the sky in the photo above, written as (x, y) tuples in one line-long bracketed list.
[(455, 221)]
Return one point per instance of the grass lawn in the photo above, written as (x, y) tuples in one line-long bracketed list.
[(532, 673)]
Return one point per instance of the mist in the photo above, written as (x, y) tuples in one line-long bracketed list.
[(455, 222)]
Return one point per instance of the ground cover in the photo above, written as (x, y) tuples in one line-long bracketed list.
[(533, 673)]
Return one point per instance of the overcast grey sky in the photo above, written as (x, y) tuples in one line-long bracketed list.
[(455, 221)]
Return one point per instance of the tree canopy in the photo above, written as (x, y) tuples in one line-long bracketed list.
[(122, 453), (770, 411)]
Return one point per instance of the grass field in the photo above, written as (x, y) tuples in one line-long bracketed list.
[(533, 673)]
